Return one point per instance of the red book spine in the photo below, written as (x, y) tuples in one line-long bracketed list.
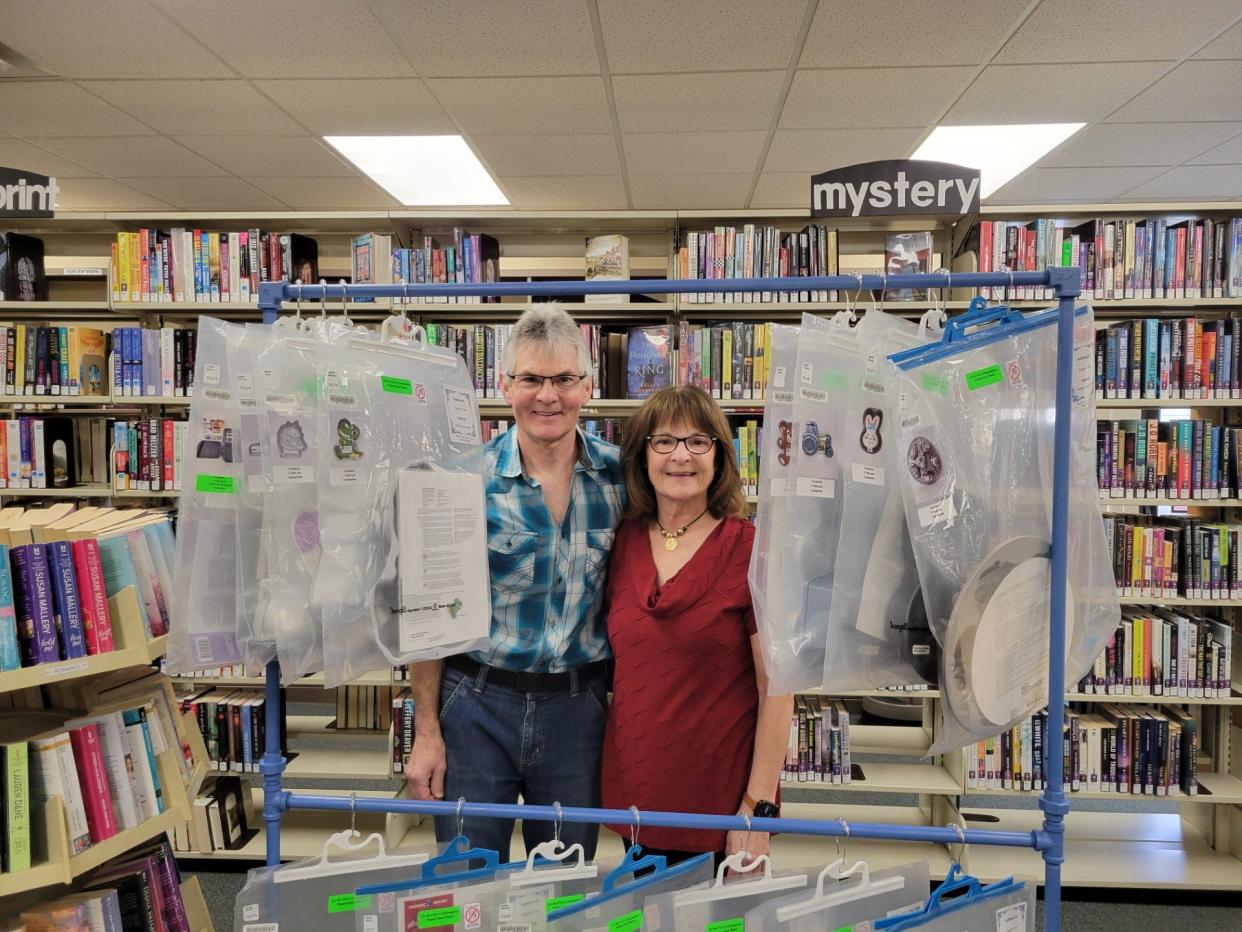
[(88, 759), (94, 595), (167, 450)]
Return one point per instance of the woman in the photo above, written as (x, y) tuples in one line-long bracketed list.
[(691, 727)]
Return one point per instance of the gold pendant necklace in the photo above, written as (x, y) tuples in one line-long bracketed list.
[(670, 537)]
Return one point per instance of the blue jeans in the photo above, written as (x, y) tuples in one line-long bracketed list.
[(500, 743)]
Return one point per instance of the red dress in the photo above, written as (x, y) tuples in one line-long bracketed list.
[(681, 728)]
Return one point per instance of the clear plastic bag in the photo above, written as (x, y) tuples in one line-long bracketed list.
[(204, 602), (877, 629), (620, 905), (977, 438), (390, 405), (844, 899), (721, 903), (1005, 906)]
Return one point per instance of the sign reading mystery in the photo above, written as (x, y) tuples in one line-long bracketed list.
[(894, 187), (26, 194)]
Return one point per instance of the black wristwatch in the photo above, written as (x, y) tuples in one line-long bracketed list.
[(762, 809)]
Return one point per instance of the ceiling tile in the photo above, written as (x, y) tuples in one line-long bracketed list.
[(198, 107), (1194, 90), (814, 150), (1114, 30), (1139, 143), (927, 32), (650, 36), (782, 189), (97, 40), (57, 108), (286, 156), (103, 194), (131, 156), (480, 38), (1061, 185), (1229, 45), (326, 193), (1197, 182), (382, 107), (294, 38), (1051, 93), (22, 155), (526, 105), (226, 193), (870, 97), (706, 191), (688, 102), (569, 154), (1227, 153), (578, 192), (691, 153)]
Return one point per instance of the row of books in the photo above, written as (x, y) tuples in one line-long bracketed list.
[(1112, 749), (1173, 557), (402, 722), (233, 724), (472, 257), (368, 707), (819, 742), (729, 361), (1164, 652), (1149, 458), (605, 428), (66, 360), (37, 452), (139, 894), (153, 363), (1182, 358), (222, 818), (201, 265), (1157, 257), (149, 454), (758, 252)]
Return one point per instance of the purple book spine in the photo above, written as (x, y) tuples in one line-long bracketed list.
[(37, 627), (66, 598), (41, 578)]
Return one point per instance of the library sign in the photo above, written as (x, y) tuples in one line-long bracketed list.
[(26, 194), (895, 187)]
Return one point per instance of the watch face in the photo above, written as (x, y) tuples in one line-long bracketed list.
[(766, 810)]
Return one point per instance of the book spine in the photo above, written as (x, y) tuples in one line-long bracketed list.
[(65, 599), (88, 760)]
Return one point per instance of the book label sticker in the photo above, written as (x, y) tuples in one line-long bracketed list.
[(281, 400), (347, 476), (875, 386), (332, 380), (462, 416), (62, 668), (215, 485), (216, 394), (250, 912), (936, 384), (726, 925), (813, 394), (867, 474), (439, 918), (940, 512), (807, 373), (982, 378), (872, 362), (211, 374), (817, 488), (245, 384), (370, 924), (1011, 918), (396, 386), (261, 927), (778, 377), (347, 903), (627, 923)]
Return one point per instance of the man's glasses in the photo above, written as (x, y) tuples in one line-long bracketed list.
[(698, 444), (530, 383)]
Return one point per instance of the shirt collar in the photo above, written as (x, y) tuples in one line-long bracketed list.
[(509, 463)]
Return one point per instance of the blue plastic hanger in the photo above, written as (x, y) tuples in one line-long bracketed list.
[(457, 851), (633, 861), (953, 882)]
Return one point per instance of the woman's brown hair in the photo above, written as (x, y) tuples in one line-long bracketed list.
[(693, 406)]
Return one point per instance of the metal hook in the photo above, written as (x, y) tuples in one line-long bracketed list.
[(851, 306), (353, 813), (299, 304), (345, 303), (405, 300), (634, 829), (556, 826), (323, 299), (883, 292), (961, 836), (461, 822), (746, 841), (845, 827)]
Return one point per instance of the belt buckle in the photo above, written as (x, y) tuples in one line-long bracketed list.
[(526, 682)]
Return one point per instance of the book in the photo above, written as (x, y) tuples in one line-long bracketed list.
[(608, 259), (96, 618), (54, 774), (907, 254), (15, 771), (93, 778), (66, 601), (648, 360), (35, 624), (10, 649), (26, 280)]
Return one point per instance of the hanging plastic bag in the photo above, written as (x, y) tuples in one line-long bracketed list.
[(978, 444), (393, 406), (204, 600), (877, 629), (619, 904), (1005, 906), (844, 899), (318, 893), (721, 903), (545, 885)]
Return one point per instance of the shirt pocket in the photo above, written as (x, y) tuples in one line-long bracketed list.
[(599, 549), (511, 559)]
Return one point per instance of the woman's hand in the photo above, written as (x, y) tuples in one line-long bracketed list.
[(756, 844)]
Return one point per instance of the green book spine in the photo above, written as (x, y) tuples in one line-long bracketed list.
[(17, 807)]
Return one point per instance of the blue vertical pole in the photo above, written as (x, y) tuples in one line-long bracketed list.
[(1053, 801)]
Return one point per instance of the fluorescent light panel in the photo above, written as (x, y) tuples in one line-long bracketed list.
[(999, 152), (422, 171)]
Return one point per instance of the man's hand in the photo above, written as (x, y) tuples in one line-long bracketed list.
[(425, 768)]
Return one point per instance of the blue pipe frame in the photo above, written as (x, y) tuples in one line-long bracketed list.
[(1049, 841)]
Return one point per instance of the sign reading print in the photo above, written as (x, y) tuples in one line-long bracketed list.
[(26, 194)]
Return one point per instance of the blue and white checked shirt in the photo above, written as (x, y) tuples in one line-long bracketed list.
[(548, 583)]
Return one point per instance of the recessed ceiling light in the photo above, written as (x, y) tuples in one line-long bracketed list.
[(999, 152), (422, 171)]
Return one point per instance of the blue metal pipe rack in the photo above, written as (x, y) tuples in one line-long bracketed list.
[(1049, 841)]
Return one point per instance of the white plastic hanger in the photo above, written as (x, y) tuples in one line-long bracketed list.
[(737, 862), (324, 866), (820, 901), (554, 850)]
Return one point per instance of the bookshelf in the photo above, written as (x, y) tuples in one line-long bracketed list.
[(1198, 847)]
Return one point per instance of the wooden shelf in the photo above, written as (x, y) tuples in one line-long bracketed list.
[(374, 678), (1233, 699), (84, 400), (1106, 503), (1167, 403), (79, 491), (42, 307), (1166, 600), (1222, 789), (889, 778), (143, 493)]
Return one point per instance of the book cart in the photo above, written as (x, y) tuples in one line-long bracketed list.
[(1048, 840)]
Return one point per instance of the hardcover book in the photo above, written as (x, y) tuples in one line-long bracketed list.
[(608, 259), (54, 774), (648, 360), (10, 649), (25, 280)]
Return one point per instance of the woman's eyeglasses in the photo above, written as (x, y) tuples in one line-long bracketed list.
[(698, 444), (531, 383)]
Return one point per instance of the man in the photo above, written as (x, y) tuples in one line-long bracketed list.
[(526, 717)]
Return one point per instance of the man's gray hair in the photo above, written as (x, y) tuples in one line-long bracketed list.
[(548, 327)]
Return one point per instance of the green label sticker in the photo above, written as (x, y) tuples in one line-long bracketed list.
[(396, 386), (982, 378), (552, 904), (934, 383), (844, 929), (437, 918), (215, 485), (726, 925), (627, 923), (834, 381), (347, 903)]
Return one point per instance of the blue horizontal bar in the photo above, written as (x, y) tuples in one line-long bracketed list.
[(831, 827), (272, 293)]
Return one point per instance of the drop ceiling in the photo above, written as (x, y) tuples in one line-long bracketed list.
[(611, 104)]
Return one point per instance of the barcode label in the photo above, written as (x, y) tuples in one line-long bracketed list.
[(202, 650)]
